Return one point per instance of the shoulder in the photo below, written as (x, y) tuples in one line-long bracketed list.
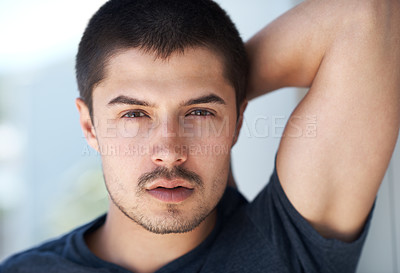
[(57, 255), (37, 259)]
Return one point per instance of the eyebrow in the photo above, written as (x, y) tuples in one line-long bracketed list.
[(128, 101), (212, 98)]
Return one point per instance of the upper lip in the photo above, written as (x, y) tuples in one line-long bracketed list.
[(169, 184)]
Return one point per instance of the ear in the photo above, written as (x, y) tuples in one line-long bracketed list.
[(239, 122), (86, 124)]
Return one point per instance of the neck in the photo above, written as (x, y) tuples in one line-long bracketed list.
[(125, 243)]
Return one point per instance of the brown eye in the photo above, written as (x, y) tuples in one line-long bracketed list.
[(200, 112), (134, 114)]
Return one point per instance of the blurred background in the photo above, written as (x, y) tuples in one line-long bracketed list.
[(51, 181)]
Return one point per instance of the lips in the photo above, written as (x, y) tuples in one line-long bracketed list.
[(171, 191), (170, 184), (174, 195)]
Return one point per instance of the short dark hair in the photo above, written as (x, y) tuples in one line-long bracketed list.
[(161, 27)]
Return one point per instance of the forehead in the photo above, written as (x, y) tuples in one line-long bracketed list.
[(197, 61), (195, 69)]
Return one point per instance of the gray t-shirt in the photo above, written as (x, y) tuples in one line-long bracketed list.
[(266, 235)]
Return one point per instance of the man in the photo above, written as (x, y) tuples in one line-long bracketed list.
[(170, 76)]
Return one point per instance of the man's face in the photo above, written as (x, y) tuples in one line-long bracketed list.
[(165, 129)]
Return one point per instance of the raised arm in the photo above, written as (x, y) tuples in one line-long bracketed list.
[(348, 53)]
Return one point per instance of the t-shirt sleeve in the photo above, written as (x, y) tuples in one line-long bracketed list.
[(302, 246)]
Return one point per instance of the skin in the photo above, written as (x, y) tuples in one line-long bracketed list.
[(160, 114)]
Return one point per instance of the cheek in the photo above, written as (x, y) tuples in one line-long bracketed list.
[(209, 140), (123, 138), (208, 127), (124, 129), (210, 156), (121, 170), (123, 158), (217, 177)]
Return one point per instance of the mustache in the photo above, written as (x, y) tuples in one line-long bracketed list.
[(163, 172)]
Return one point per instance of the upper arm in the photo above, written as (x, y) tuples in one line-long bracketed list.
[(332, 177), (285, 52)]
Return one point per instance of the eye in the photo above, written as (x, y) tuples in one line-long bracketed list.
[(134, 114), (201, 112)]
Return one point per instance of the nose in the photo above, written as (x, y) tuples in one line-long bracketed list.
[(168, 149)]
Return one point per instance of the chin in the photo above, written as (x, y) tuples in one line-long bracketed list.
[(172, 220)]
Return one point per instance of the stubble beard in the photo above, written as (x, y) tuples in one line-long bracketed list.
[(175, 218)]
